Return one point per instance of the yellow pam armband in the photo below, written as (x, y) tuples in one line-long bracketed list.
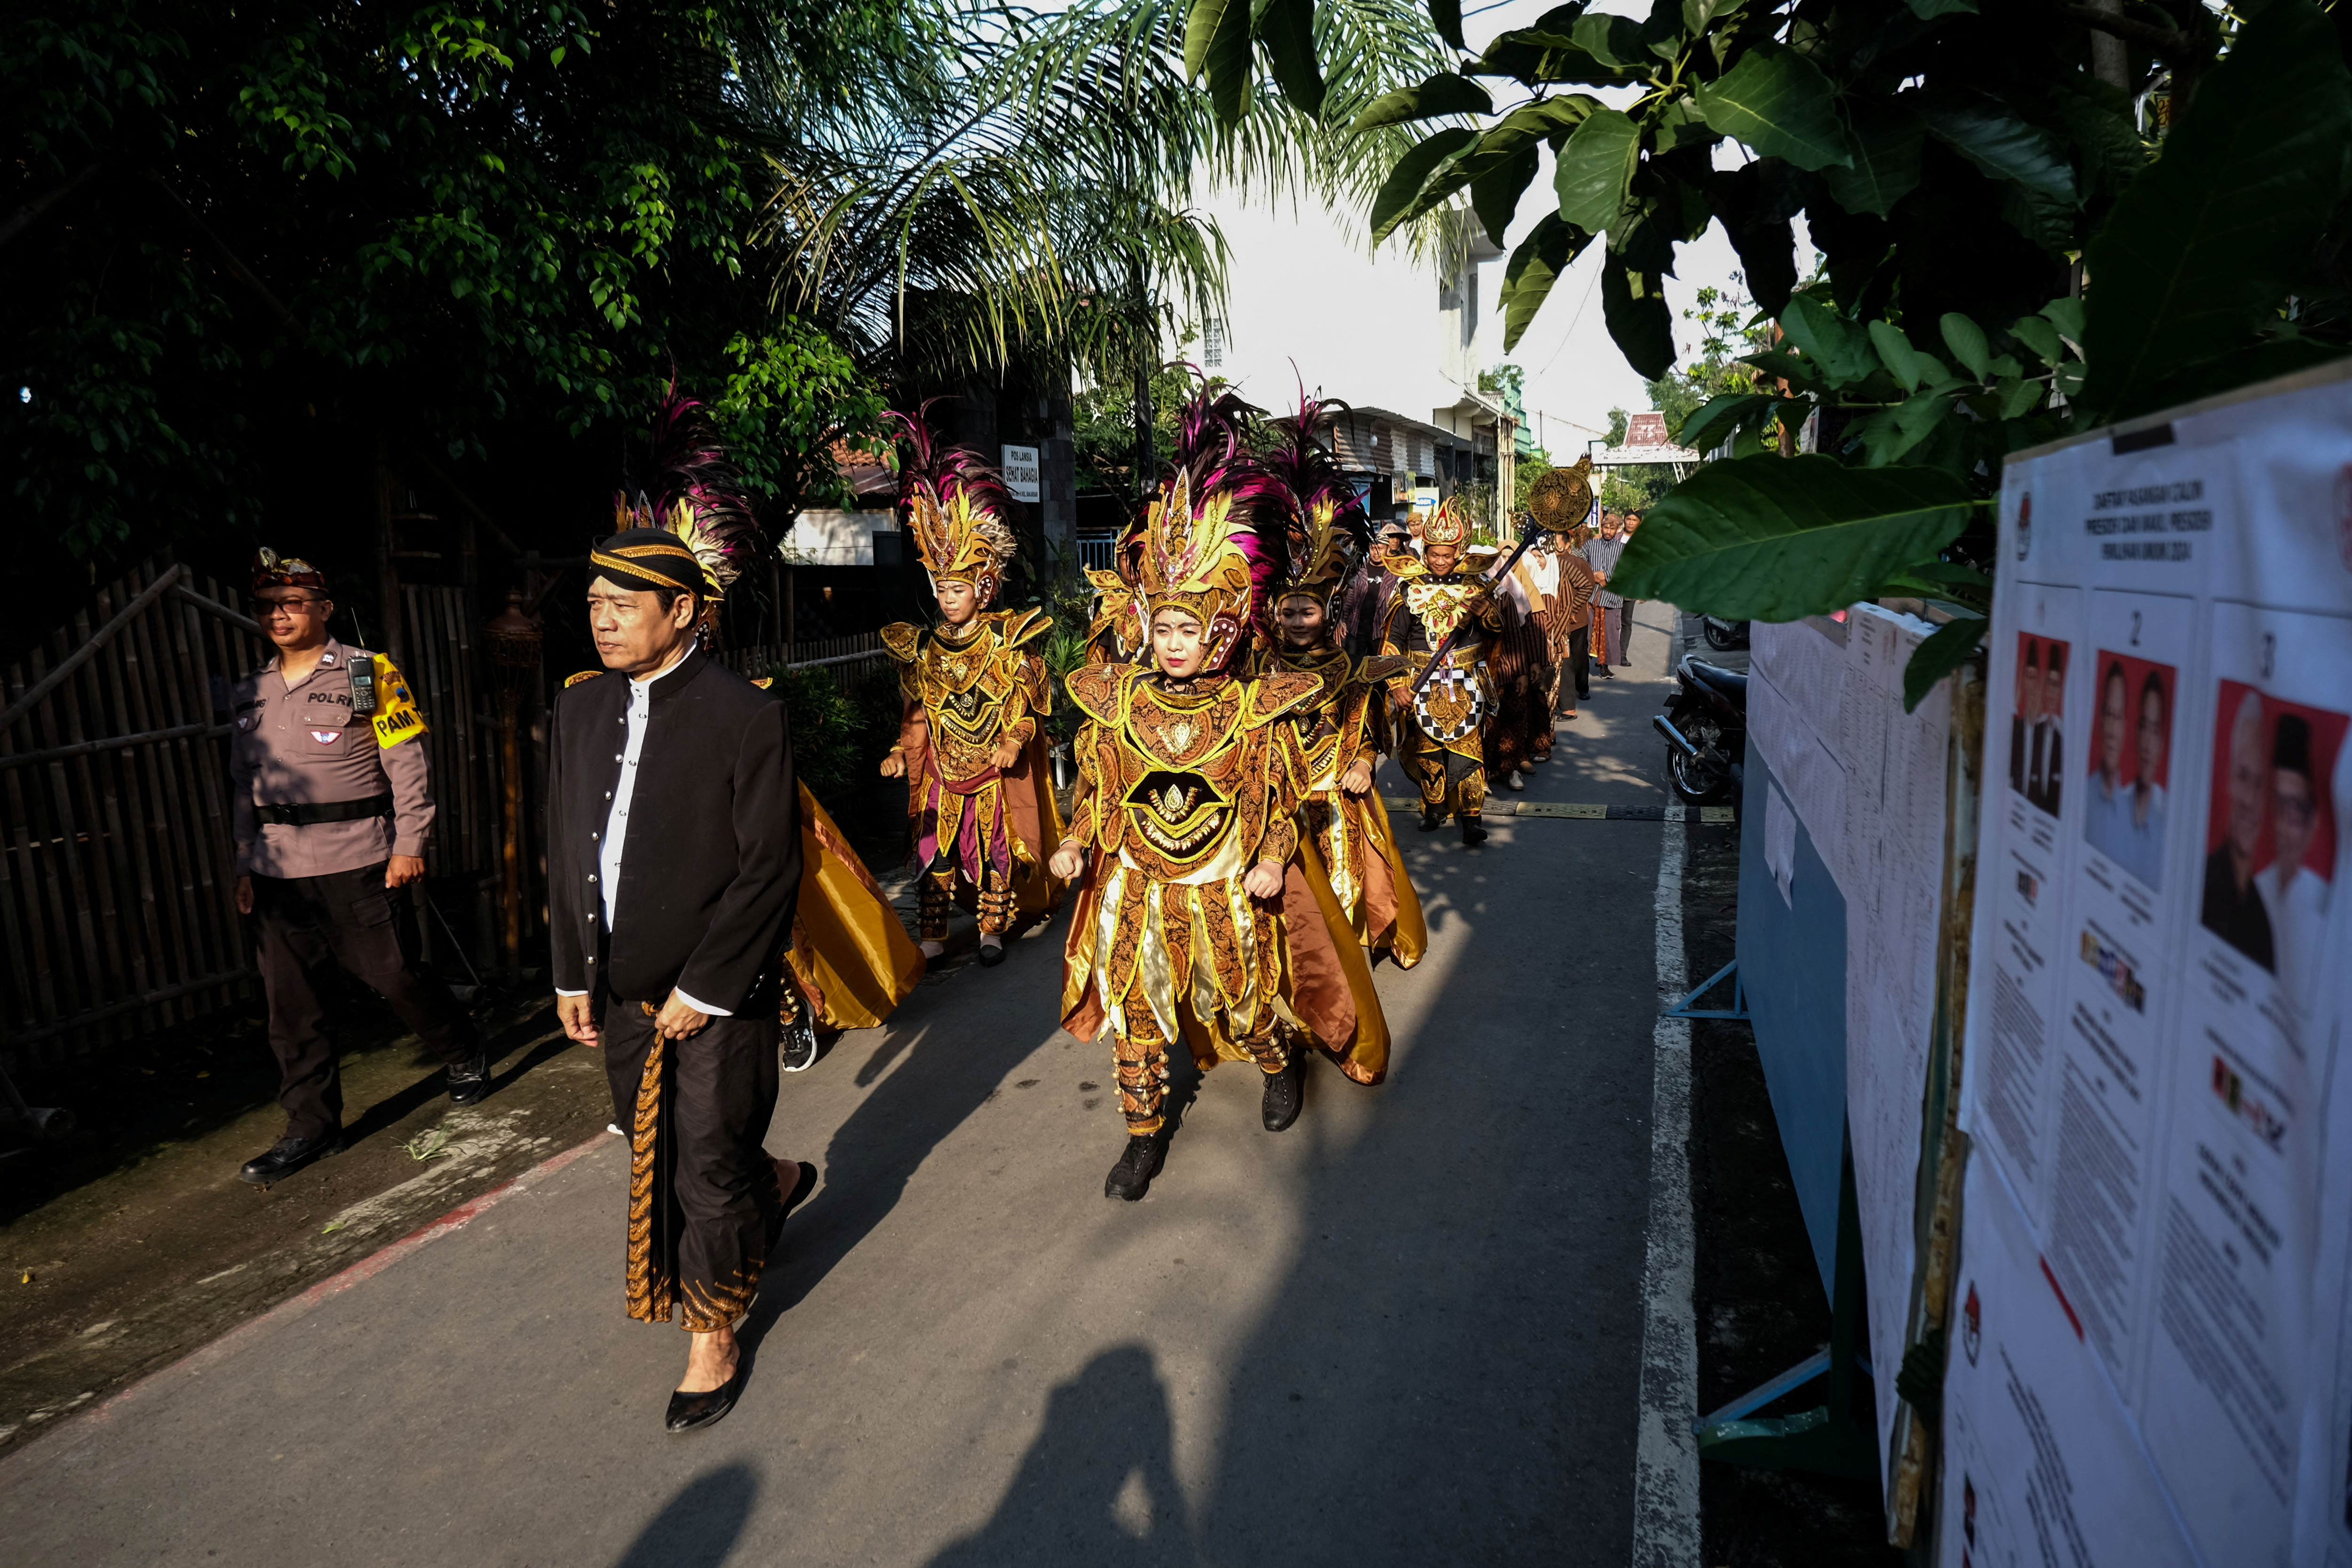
[(396, 718)]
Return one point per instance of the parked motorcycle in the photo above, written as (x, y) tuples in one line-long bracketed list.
[(1706, 731), (1722, 635)]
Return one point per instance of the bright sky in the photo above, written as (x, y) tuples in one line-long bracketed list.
[(1303, 287)]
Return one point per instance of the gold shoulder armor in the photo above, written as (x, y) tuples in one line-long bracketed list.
[(1404, 567), (1095, 688), (1278, 692), (572, 680), (1023, 625), (1384, 667), (903, 640)]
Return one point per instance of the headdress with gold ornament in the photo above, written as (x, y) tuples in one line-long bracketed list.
[(1449, 524), (1560, 500), (696, 531), (1200, 549), (1321, 521), (272, 570), (958, 510)]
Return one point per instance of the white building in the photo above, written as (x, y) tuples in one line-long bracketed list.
[(1402, 339)]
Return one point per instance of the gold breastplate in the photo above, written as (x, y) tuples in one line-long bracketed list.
[(962, 688), (1182, 769)]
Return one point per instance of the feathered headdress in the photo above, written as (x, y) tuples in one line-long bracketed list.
[(696, 531), (1323, 521), (955, 506), (1202, 552)]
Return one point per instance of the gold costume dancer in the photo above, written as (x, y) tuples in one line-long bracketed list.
[(979, 796), (1441, 742), (1199, 919), (1346, 825)]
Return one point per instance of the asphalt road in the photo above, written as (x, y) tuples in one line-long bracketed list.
[(1407, 1331)]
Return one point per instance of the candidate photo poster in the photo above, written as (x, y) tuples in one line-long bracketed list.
[(2269, 834), (2128, 775), (2241, 1200), (2037, 723)]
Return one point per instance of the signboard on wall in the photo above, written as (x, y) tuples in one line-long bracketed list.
[(1019, 471), (2158, 998)]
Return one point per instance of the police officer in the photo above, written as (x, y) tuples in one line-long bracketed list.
[(333, 809)]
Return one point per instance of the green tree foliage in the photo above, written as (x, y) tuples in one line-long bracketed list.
[(417, 220), (1954, 162)]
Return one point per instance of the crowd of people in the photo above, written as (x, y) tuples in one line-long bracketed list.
[(1231, 875)]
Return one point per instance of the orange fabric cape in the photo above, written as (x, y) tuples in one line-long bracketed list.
[(850, 952)]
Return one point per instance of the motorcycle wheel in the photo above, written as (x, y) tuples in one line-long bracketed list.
[(1723, 637), (1699, 781)]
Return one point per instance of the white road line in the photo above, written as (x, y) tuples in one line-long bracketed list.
[(1665, 1455)]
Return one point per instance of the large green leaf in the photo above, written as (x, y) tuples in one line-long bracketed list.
[(1640, 322), (1549, 250), (1943, 650), (1494, 192), (1779, 103), (1411, 173), (1611, 41), (1841, 349), (1928, 10), (1774, 539), (1895, 352), (1447, 16), (1443, 94), (1987, 132), (1592, 171), (1217, 44), (1533, 54), (1723, 412), (1546, 119), (2205, 244), (1885, 167), (1286, 28), (1750, 203)]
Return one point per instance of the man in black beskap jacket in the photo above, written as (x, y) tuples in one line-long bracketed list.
[(673, 865)]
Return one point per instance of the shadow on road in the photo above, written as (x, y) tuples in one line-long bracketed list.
[(700, 1526), (1098, 1485)]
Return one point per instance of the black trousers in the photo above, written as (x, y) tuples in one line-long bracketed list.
[(702, 1190), (352, 918), (1578, 676)]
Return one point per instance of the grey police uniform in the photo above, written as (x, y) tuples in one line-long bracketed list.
[(330, 781)]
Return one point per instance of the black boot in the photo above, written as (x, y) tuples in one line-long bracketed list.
[(288, 1155), (1283, 1095), (1432, 819), (1131, 1177), (469, 1080), (1472, 831)]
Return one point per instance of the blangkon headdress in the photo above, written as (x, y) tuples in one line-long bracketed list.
[(696, 531)]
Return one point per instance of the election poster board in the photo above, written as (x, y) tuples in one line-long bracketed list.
[(2158, 998), (1868, 784)]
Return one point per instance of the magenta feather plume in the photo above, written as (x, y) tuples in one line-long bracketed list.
[(691, 466)]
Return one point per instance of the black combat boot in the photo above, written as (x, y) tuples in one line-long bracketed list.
[(1283, 1095), (1473, 831), (1131, 1177)]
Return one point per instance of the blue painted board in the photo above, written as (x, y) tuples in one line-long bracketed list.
[(1792, 966)]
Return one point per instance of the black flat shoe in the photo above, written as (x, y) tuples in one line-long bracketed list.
[(989, 957), (1131, 1177), (1279, 1107), (286, 1156), (693, 1412), (469, 1080)]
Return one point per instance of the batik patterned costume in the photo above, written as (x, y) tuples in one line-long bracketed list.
[(1184, 788), (1327, 534), (1441, 740), (981, 833)]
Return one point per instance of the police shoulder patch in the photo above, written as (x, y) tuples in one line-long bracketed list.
[(395, 718)]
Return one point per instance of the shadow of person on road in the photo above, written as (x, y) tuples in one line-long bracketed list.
[(699, 1526), (1098, 1485), (944, 1076)]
